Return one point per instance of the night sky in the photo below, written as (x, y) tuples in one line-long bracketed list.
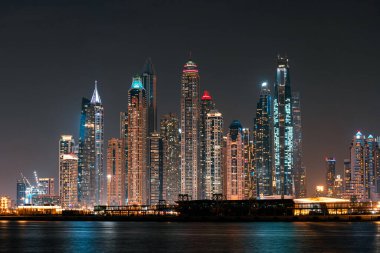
[(52, 51)]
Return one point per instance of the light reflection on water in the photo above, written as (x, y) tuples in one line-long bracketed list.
[(85, 236)]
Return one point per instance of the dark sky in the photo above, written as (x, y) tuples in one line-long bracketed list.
[(52, 51)]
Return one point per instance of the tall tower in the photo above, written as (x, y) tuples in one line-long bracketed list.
[(262, 132), (249, 180), (155, 168), (214, 138), (115, 173), (66, 144), (190, 130), (91, 178), (124, 138), (137, 144), (298, 168), (283, 130), (68, 181), (234, 168), (330, 177), (149, 81), (207, 104), (357, 155), (169, 131)]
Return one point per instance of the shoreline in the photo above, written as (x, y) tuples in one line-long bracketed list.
[(327, 218)]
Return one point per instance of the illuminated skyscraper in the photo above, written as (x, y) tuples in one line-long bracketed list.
[(91, 186), (298, 168), (155, 187), (46, 186), (149, 81), (115, 173), (169, 131), (207, 104), (190, 130), (358, 180), (124, 138), (214, 137), (371, 150), (68, 181), (234, 168), (21, 188), (137, 144), (249, 173), (262, 133), (66, 144), (330, 177), (283, 130)]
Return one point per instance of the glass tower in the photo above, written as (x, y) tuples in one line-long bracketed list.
[(190, 102), (262, 132), (283, 131)]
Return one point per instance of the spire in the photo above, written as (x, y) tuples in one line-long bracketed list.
[(148, 67), (206, 95), (95, 96)]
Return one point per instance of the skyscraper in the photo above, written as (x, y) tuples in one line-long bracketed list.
[(20, 192), (137, 144), (46, 186), (214, 136), (124, 140), (298, 168), (115, 173), (234, 167), (262, 134), (155, 187), (357, 155), (149, 81), (330, 177), (190, 130), (283, 130), (207, 104), (68, 181), (66, 144), (169, 131), (91, 186), (248, 173)]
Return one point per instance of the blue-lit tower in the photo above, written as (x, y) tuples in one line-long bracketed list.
[(283, 130)]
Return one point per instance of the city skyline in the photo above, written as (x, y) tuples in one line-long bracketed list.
[(46, 127)]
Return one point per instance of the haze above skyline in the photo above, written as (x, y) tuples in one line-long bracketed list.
[(52, 52)]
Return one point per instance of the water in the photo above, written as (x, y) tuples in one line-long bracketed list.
[(85, 236)]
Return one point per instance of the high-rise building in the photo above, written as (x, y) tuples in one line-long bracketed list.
[(124, 140), (298, 168), (283, 130), (214, 136), (169, 131), (190, 130), (68, 181), (46, 186), (91, 185), (248, 173), (149, 81), (20, 193), (155, 187), (207, 104), (358, 169), (234, 164), (338, 186), (262, 134), (115, 173), (66, 144), (330, 176), (137, 144), (371, 150), (347, 178)]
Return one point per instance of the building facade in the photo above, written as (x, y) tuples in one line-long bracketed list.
[(214, 136), (234, 164), (137, 144), (91, 178), (155, 168), (330, 177), (190, 103), (283, 130), (262, 134), (207, 104), (68, 181), (169, 131), (116, 176)]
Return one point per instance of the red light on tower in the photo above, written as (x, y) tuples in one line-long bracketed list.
[(206, 96)]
